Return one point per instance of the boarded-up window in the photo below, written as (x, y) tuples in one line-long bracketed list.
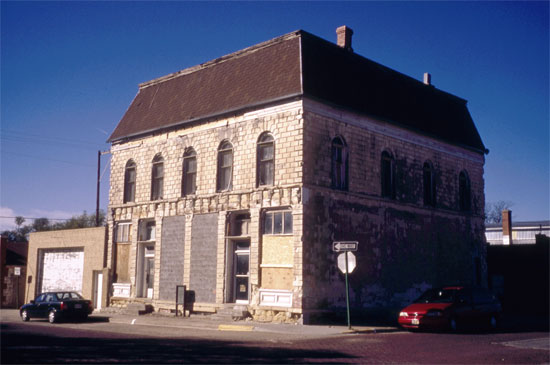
[(61, 269)]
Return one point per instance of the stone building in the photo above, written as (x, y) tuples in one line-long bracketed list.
[(234, 177)]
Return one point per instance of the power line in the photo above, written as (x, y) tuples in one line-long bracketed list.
[(50, 219), (21, 136), (46, 159)]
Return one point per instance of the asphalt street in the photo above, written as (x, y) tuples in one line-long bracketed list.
[(122, 339)]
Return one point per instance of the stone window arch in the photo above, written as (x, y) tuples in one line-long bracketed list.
[(464, 191), (129, 182), (157, 178), (225, 166), (387, 175), (428, 183), (339, 164), (189, 174), (265, 175)]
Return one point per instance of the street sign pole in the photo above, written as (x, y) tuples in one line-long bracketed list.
[(347, 291)]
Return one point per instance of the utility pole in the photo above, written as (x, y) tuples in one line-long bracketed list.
[(99, 153), (97, 193)]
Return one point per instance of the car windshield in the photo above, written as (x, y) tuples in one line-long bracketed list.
[(68, 295), (437, 296)]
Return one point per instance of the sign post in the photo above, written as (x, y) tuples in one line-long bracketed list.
[(346, 264)]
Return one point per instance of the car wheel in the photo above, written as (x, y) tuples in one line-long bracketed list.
[(52, 316), (25, 316), (453, 324)]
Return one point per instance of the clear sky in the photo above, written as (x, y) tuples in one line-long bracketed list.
[(69, 71)]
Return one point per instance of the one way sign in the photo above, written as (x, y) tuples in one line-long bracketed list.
[(341, 246)]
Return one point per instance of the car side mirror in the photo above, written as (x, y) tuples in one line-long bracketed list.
[(32, 301)]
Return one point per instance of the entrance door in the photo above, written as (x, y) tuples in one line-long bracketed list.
[(241, 271), (146, 271), (150, 275), (98, 289)]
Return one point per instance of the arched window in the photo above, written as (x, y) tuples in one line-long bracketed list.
[(225, 166), (387, 177), (157, 178), (189, 178), (464, 194), (266, 160), (428, 184), (130, 181), (339, 164)]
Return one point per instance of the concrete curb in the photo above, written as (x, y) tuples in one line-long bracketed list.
[(234, 327)]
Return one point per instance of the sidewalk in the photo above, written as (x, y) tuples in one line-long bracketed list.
[(206, 323)]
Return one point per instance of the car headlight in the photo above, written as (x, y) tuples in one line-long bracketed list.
[(403, 314), (434, 314)]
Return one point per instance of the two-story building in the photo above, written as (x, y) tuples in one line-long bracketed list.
[(234, 178)]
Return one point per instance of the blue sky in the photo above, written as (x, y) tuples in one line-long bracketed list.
[(69, 71)]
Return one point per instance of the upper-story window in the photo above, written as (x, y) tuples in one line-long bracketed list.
[(278, 222), (157, 178), (130, 181), (339, 164), (387, 175), (225, 166), (428, 184), (123, 232), (464, 193), (266, 160), (189, 178), (147, 230)]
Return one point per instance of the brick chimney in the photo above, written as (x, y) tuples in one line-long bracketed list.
[(343, 37), (506, 227), (427, 78)]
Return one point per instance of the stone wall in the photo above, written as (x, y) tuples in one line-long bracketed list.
[(404, 246), (284, 122)]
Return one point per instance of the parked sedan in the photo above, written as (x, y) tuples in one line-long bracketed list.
[(57, 305), (451, 308)]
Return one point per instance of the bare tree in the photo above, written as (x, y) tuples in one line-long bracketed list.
[(493, 211)]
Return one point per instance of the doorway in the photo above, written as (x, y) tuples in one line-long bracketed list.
[(146, 273), (238, 270), (98, 289)]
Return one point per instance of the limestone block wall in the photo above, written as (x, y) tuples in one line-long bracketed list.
[(285, 124)]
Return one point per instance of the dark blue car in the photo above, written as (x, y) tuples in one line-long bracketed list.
[(57, 305)]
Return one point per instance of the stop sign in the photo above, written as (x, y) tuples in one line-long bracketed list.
[(342, 262)]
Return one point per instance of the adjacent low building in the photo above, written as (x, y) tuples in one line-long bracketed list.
[(235, 177), (72, 260)]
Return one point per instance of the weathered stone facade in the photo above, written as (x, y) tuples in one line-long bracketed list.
[(269, 245)]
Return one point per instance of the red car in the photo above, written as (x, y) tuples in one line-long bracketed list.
[(452, 307)]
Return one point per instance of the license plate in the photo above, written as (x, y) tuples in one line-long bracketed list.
[(415, 321), (78, 306)]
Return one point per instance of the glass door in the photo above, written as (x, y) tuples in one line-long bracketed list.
[(241, 265)]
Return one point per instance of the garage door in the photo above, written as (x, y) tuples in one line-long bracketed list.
[(61, 270)]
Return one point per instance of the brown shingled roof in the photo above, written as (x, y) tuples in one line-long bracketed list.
[(277, 69), (263, 73)]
